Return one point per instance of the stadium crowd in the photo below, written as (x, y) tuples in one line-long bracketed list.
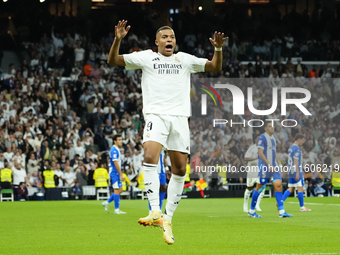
[(62, 106)]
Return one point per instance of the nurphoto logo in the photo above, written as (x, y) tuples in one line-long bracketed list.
[(238, 103)]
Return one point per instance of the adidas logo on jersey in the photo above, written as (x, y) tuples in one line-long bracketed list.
[(156, 59)]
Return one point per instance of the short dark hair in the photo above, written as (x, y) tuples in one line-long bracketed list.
[(269, 122), (298, 136), (115, 137), (163, 28)]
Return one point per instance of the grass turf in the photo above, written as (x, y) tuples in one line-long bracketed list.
[(200, 226)]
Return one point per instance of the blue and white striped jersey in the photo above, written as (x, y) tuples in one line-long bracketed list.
[(115, 155), (268, 144), (294, 152)]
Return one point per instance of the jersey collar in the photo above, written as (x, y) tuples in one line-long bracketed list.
[(165, 57), (266, 134)]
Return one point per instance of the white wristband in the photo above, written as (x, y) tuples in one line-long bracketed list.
[(218, 49)]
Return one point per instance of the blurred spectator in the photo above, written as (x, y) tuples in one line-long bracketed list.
[(22, 192), (190, 41), (56, 40), (79, 149), (289, 45), (33, 165), (79, 53), (93, 147), (277, 43), (82, 175), (59, 176), (19, 174), (76, 191), (34, 180), (70, 177)]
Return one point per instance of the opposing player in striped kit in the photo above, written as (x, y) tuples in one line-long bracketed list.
[(268, 167), (296, 180), (251, 156)]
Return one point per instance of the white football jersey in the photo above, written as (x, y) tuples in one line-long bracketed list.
[(252, 152), (165, 80)]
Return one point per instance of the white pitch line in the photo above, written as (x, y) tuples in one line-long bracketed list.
[(299, 253), (316, 204)]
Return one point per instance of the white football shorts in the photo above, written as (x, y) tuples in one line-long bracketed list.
[(169, 130), (299, 183), (252, 181)]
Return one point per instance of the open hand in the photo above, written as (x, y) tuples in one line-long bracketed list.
[(120, 30), (218, 39), (271, 169)]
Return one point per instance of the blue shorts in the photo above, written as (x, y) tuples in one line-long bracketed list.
[(116, 182), (264, 176), (162, 178)]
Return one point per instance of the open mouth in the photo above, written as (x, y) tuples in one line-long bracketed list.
[(168, 47)]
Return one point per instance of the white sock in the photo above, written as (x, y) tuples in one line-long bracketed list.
[(175, 190), (151, 181), (281, 211), (251, 211), (259, 199), (247, 193)]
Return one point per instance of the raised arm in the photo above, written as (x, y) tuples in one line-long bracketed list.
[(53, 36), (215, 65), (114, 58)]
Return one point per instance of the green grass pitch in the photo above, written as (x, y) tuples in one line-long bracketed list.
[(200, 226)]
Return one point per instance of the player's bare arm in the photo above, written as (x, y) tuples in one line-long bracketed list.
[(215, 65), (250, 159), (118, 170), (278, 162), (263, 157), (121, 31), (297, 168)]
